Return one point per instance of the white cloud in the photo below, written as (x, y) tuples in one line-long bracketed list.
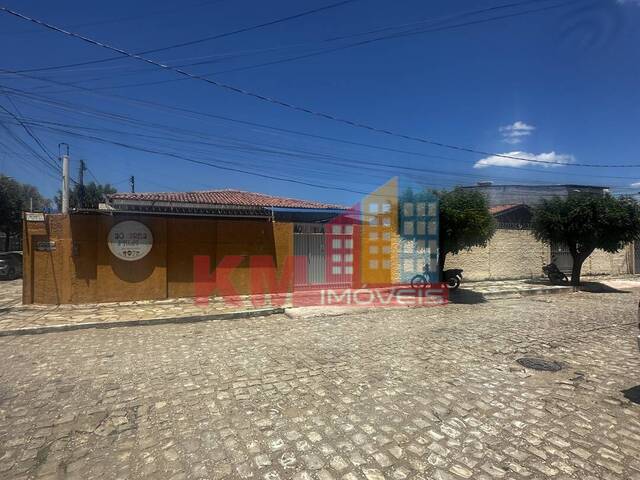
[(627, 2), (551, 159), (515, 132), (635, 185)]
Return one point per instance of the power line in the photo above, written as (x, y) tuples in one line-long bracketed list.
[(290, 153), (27, 147), (232, 163), (145, 15), (172, 130), (27, 158), (252, 147), (292, 106), (334, 49), (202, 40), (331, 39), (386, 37), (51, 164)]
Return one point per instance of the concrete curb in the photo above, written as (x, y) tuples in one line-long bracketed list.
[(528, 293), (135, 323)]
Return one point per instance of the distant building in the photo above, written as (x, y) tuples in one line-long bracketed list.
[(531, 195)]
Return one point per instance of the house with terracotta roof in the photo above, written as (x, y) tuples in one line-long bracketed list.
[(140, 246), (143, 246), (222, 203)]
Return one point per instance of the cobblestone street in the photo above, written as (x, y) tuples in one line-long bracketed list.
[(416, 393)]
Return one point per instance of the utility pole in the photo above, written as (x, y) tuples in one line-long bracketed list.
[(83, 167), (132, 182), (65, 178)]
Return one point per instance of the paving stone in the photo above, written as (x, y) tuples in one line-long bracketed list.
[(428, 393)]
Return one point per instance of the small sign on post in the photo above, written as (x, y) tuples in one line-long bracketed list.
[(34, 216)]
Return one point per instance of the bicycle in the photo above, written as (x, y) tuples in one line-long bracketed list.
[(421, 280)]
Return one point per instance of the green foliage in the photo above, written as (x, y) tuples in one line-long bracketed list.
[(464, 219), (16, 197), (585, 222), (87, 196)]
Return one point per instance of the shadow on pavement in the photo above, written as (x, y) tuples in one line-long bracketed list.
[(591, 287), (538, 281), (598, 287), (465, 296), (632, 394)]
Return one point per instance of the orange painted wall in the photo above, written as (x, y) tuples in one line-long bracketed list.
[(81, 269)]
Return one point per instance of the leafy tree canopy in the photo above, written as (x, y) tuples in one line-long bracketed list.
[(16, 197), (585, 222), (87, 196), (464, 219)]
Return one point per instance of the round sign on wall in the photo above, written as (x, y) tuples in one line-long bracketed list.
[(130, 240)]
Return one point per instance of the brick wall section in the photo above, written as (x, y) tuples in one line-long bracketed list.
[(510, 254), (513, 254), (603, 263)]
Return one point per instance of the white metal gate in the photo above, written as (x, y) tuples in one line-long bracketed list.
[(309, 245), (315, 266), (561, 255)]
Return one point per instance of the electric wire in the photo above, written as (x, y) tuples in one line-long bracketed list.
[(291, 106)]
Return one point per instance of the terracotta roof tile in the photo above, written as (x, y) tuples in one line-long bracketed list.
[(503, 208), (224, 198)]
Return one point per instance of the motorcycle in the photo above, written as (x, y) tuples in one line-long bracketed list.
[(452, 278), (554, 274)]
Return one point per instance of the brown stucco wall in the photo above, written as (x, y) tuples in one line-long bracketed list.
[(187, 237), (44, 271), (81, 269)]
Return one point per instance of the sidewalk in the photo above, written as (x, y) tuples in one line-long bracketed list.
[(509, 288), (16, 319)]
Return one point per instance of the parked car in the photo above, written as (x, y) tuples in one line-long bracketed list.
[(10, 265)]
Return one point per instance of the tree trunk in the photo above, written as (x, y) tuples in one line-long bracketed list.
[(6, 241), (576, 269), (578, 259), (442, 256)]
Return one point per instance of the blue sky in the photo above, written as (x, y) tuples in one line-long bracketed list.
[(559, 85)]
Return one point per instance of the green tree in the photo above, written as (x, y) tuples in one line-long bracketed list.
[(465, 222), (585, 222), (464, 219), (16, 197), (86, 196)]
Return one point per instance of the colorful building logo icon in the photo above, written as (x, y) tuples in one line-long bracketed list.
[(368, 253)]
